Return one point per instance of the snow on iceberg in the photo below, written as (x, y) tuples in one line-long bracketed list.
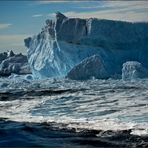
[(90, 67), (65, 42), (132, 70)]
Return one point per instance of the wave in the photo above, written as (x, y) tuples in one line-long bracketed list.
[(48, 135), (112, 109)]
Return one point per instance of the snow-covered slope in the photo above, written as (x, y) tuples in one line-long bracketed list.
[(65, 42)]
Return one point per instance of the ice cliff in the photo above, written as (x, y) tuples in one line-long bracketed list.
[(65, 42)]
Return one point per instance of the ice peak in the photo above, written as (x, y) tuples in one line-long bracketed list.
[(59, 15), (10, 53)]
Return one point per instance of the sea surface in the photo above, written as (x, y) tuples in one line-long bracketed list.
[(66, 113)]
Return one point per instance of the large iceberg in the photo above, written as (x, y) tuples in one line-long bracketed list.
[(65, 42)]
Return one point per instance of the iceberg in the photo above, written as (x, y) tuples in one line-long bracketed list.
[(13, 63), (64, 42), (91, 67), (133, 70)]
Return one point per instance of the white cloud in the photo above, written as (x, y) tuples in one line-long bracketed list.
[(14, 42), (51, 1), (4, 26), (125, 6), (90, 7), (13, 37), (130, 16), (37, 15), (51, 15), (117, 10)]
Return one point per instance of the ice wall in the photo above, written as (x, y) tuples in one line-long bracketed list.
[(65, 42)]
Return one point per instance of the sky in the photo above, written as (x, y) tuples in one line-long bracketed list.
[(22, 19)]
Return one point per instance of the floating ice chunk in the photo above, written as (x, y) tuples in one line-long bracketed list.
[(132, 70), (91, 67), (29, 77), (25, 69), (14, 76), (21, 77), (14, 64)]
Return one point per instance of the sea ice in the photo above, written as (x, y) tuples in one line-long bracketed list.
[(13, 63), (90, 67), (132, 70)]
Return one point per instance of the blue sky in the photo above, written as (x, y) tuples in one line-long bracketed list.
[(20, 19)]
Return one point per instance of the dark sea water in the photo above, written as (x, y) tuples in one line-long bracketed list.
[(66, 113), (22, 134)]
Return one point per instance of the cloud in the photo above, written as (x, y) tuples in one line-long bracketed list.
[(51, 15), (14, 42), (4, 26), (133, 11), (51, 1), (116, 10), (90, 7), (130, 16), (37, 15), (13, 37)]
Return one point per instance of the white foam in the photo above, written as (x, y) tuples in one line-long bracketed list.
[(104, 105)]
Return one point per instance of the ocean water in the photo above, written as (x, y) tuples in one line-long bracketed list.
[(67, 113)]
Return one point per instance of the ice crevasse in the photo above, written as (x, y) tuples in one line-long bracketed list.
[(64, 42)]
